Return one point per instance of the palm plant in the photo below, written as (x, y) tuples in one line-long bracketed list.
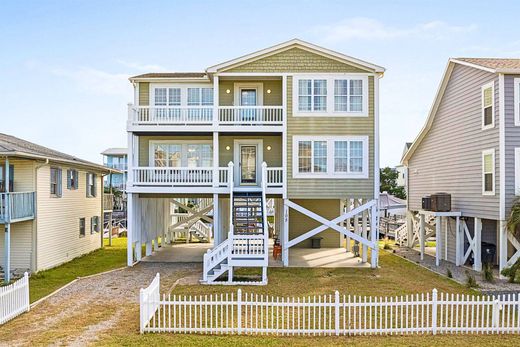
[(513, 222)]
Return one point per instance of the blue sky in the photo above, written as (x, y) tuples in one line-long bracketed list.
[(65, 64)]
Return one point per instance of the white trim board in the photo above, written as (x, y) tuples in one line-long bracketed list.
[(482, 89), (238, 86)]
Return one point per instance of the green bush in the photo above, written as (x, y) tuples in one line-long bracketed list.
[(487, 272), (513, 272)]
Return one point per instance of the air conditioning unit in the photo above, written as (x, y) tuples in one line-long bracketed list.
[(441, 202), (427, 203)]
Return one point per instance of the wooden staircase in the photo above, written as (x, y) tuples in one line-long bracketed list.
[(248, 213)]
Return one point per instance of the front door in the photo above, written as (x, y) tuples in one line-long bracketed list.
[(248, 164)]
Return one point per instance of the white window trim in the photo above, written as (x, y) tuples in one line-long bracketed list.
[(517, 171), (516, 82), (330, 95), (259, 92), (484, 87), (184, 91), (484, 153), (151, 154), (330, 174)]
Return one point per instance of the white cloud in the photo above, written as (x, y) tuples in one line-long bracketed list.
[(96, 81), (141, 67), (363, 28)]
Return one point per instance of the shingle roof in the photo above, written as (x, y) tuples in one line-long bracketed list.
[(115, 151), (171, 75), (493, 63), (11, 145)]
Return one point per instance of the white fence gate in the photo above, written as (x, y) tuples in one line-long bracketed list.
[(14, 299), (328, 314)]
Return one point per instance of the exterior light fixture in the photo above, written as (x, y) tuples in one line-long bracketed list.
[(228, 91), (269, 148), (228, 148), (268, 91)]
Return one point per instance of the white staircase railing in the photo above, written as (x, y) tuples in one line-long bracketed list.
[(202, 229), (215, 256)]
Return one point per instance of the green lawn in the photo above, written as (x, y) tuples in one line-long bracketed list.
[(107, 258)]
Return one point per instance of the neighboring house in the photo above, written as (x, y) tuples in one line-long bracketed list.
[(50, 206), (296, 123), (116, 158), (402, 172), (470, 148)]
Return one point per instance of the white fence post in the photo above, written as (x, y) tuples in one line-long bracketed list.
[(494, 317), (239, 311), (434, 311), (142, 306), (336, 312)]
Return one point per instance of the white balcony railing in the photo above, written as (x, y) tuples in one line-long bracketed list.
[(274, 176), (250, 115), (171, 115), (16, 206), (195, 176), (204, 115)]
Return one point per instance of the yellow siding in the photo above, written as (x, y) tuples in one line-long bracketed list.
[(23, 174), (21, 245), (295, 60), (144, 93), (272, 99), (341, 126), (300, 224), (58, 239), (272, 157)]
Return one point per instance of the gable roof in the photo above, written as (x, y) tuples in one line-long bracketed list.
[(295, 43), (16, 147), (477, 63), (115, 151), (493, 65), (170, 75)]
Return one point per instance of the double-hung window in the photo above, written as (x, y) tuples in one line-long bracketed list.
[(330, 95), (488, 107), (200, 97), (82, 227), (72, 179), (91, 185), (488, 172), (55, 181), (167, 97), (330, 157), (312, 95), (181, 154)]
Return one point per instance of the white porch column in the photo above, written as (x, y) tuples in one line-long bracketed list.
[(347, 225), (458, 242), (137, 229), (502, 247), (129, 228), (409, 228), (285, 234), (422, 235), (477, 237), (215, 101), (216, 220), (438, 240), (364, 227), (216, 165), (7, 226), (284, 135), (374, 236)]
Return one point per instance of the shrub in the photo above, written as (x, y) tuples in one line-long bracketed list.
[(471, 282), (449, 274), (513, 272), (487, 272)]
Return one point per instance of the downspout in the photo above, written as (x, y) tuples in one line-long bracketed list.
[(34, 257)]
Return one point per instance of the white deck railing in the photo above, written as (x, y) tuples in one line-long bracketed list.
[(173, 176), (332, 314), (274, 176), (16, 206), (250, 115), (14, 299), (204, 115), (170, 115), (248, 245)]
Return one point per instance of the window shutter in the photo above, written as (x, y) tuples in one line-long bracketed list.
[(97, 224), (69, 183), (86, 184), (94, 181), (59, 185), (92, 226)]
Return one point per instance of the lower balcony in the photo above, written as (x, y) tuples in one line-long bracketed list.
[(202, 177), (16, 206)]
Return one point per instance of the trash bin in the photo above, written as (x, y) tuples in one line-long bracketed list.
[(488, 251), (316, 242)]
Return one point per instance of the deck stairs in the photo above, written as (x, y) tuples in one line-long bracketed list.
[(247, 241), (401, 233)]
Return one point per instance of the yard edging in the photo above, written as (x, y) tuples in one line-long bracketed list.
[(39, 301)]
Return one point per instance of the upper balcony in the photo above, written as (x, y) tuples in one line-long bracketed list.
[(16, 207), (229, 118)]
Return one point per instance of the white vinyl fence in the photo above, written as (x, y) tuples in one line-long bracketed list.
[(14, 299), (328, 314)]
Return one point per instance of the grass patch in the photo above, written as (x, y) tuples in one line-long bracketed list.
[(110, 257)]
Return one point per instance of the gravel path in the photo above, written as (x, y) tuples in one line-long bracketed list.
[(78, 314), (459, 273)]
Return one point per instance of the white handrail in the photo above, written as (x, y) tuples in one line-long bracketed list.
[(184, 176), (274, 176)]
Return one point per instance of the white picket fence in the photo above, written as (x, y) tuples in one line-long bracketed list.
[(328, 314), (14, 299)]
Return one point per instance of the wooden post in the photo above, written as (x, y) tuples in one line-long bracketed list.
[(110, 215), (130, 229), (364, 229), (477, 237), (458, 242), (374, 236), (422, 235), (438, 241), (502, 247), (347, 222), (285, 234), (216, 171), (216, 218), (409, 228)]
